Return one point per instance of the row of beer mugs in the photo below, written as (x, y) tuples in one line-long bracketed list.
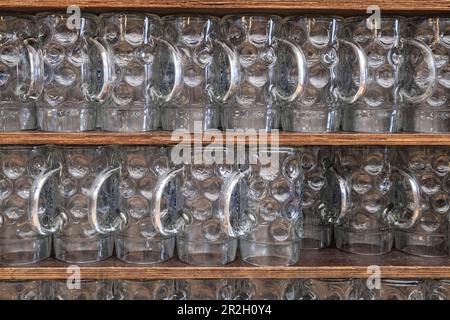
[(145, 200), (228, 289), (137, 71)]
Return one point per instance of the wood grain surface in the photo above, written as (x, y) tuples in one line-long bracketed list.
[(328, 263), (227, 6)]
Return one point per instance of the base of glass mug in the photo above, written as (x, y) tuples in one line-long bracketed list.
[(428, 120), (74, 119), (310, 120), (203, 253), (363, 242), (25, 251), (316, 237), (252, 118), (419, 244), (189, 118), (370, 120), (17, 118), (85, 250), (129, 120), (283, 253), (144, 251)]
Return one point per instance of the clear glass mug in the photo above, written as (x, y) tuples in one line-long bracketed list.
[(318, 212), (380, 109), (77, 72), (21, 72), (330, 289), (199, 289), (84, 290), (323, 42), (260, 50), (198, 222), (269, 289), (263, 205), (438, 289), (86, 210), (137, 240), (374, 195), (144, 290), (24, 290), (26, 203), (396, 289), (134, 43), (428, 236), (431, 114), (208, 73)]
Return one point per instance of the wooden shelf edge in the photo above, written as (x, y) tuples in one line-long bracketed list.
[(227, 6), (165, 138)]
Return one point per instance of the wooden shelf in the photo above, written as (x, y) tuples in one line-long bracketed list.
[(164, 138), (328, 263), (227, 6)]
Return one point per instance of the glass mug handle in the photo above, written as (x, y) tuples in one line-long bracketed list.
[(93, 195), (106, 70), (415, 188), (343, 193), (234, 72), (430, 62), (35, 192), (225, 204), (301, 72), (178, 73), (363, 73), (161, 184), (36, 69)]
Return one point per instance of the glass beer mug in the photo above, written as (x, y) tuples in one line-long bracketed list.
[(396, 289), (380, 108), (431, 114), (137, 240), (206, 73), (77, 72), (428, 236), (84, 290), (374, 195), (26, 203), (134, 42), (269, 289), (260, 51), (330, 289), (21, 73), (199, 289), (263, 206), (144, 289), (322, 40), (198, 221), (85, 204), (24, 290)]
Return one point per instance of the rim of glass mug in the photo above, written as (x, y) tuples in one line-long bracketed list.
[(128, 15), (64, 15), (383, 18), (253, 16), (195, 17), (316, 17)]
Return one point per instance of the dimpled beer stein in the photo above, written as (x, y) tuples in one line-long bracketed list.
[(380, 109), (438, 289), (83, 290), (21, 73), (321, 39), (202, 238), (133, 40), (26, 203), (431, 114), (330, 289), (428, 236), (206, 76), (24, 290), (86, 202), (137, 240), (77, 72), (263, 205), (396, 289), (199, 289), (260, 50), (144, 289), (376, 195), (269, 289)]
